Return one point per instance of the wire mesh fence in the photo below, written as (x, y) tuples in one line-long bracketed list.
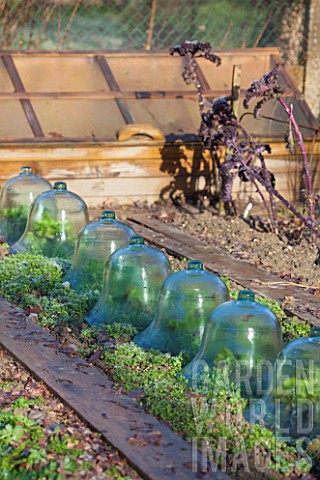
[(152, 24)]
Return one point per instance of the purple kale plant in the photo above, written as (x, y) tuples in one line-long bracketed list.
[(266, 89), (191, 50), (220, 128)]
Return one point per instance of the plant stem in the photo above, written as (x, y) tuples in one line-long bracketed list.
[(308, 222), (197, 83), (306, 164)]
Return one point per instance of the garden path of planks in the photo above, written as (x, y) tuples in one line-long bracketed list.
[(303, 304), (150, 446)]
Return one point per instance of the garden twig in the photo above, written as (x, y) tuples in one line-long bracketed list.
[(283, 284)]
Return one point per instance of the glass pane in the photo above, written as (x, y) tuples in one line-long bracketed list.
[(79, 118), (13, 123), (148, 72), (45, 73)]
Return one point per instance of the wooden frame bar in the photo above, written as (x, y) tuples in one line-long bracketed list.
[(114, 87), (25, 103)]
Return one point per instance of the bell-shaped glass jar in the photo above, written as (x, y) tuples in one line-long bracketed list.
[(185, 302), (244, 336), (16, 197), (292, 408), (96, 242), (132, 280), (54, 221)]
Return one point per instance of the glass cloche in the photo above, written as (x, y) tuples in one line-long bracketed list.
[(54, 221), (16, 197), (292, 407), (243, 335), (96, 241), (185, 302), (132, 280)]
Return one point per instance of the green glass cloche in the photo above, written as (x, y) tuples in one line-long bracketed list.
[(292, 407), (186, 299), (132, 280), (54, 221), (243, 335), (96, 242), (16, 197)]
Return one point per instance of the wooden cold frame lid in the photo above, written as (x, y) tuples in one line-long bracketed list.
[(90, 95)]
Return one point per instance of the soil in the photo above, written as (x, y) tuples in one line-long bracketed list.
[(289, 254)]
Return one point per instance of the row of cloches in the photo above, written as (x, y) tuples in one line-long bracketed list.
[(38, 218), (186, 312)]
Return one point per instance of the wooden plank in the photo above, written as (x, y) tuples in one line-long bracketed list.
[(305, 306), (114, 87), (53, 148), (89, 140), (26, 104), (88, 169), (117, 188), (129, 53), (128, 151), (128, 190), (119, 418), (125, 179), (66, 149), (121, 170), (105, 95)]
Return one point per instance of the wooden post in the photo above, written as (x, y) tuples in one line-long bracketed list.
[(235, 91), (312, 76), (151, 25)]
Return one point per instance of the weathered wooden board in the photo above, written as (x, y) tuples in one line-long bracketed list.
[(122, 190), (149, 445), (304, 305), (142, 169)]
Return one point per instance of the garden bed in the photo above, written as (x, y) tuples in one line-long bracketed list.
[(150, 378), (289, 255)]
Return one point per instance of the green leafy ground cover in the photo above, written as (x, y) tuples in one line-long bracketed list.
[(48, 237), (35, 283), (13, 222), (40, 438)]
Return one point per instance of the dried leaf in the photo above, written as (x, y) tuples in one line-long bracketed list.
[(55, 135)]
